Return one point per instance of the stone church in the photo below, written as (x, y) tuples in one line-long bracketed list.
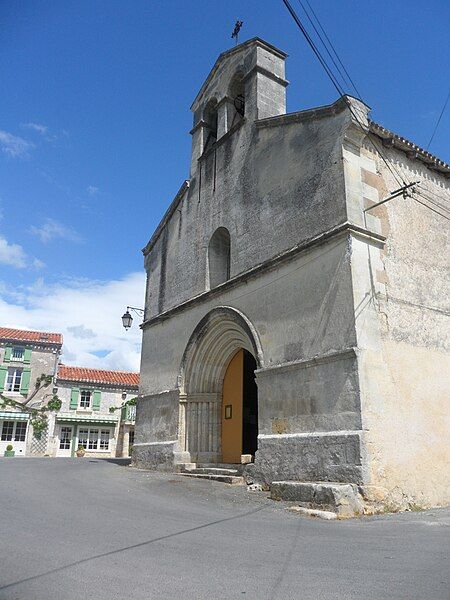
[(288, 324)]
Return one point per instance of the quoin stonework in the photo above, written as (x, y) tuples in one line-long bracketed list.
[(284, 323)]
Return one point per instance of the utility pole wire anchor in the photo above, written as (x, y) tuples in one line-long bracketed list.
[(400, 192)]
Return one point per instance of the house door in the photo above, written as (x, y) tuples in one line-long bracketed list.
[(65, 441)]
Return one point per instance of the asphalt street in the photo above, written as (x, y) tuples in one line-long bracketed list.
[(87, 528)]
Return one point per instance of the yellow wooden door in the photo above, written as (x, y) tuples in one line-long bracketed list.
[(232, 410)]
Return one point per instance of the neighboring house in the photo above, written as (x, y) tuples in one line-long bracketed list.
[(25, 356), (285, 321), (85, 418)]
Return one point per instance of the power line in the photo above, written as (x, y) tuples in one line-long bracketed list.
[(323, 43), (313, 47), (439, 120), (429, 207), (432, 199), (399, 179), (332, 47)]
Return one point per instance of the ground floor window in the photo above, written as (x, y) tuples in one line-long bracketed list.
[(14, 430), (65, 438), (21, 431), (91, 438)]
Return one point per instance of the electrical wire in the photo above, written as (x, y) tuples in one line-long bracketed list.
[(429, 207), (432, 200), (332, 48), (439, 120), (399, 179), (398, 174), (343, 77)]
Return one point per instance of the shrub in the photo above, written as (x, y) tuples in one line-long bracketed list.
[(9, 447)]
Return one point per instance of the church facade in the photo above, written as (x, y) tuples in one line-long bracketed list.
[(288, 324)]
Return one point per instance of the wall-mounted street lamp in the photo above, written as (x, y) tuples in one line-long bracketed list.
[(127, 319)]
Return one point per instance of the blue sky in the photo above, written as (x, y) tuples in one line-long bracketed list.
[(94, 137)]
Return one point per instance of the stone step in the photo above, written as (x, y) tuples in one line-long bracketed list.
[(341, 498), (231, 479), (230, 466), (211, 471)]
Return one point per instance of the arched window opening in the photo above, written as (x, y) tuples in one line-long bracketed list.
[(237, 94), (210, 118), (219, 257)]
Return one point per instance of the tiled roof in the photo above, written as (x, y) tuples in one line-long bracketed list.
[(119, 378), (22, 335)]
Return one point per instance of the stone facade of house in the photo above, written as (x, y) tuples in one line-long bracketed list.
[(269, 250), (25, 356), (94, 413)]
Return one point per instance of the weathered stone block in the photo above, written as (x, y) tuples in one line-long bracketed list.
[(343, 499)]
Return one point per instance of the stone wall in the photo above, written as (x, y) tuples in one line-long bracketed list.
[(44, 360), (307, 382), (273, 184), (402, 326)]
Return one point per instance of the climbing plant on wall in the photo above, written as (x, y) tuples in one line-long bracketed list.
[(130, 402), (39, 415)]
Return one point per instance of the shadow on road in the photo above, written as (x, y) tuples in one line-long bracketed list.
[(139, 545)]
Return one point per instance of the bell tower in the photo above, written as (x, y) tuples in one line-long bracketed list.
[(246, 83)]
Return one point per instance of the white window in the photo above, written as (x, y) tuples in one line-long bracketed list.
[(14, 430), (85, 398), (83, 435), (21, 431), (90, 439), (65, 438), (93, 439), (18, 353), (7, 431), (13, 380), (104, 439)]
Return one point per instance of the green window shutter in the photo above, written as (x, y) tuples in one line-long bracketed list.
[(75, 392), (8, 352), (25, 381), (3, 372), (96, 400), (27, 356)]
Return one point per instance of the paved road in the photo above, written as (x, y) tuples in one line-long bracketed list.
[(82, 528)]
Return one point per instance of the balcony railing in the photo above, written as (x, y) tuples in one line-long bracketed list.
[(129, 412)]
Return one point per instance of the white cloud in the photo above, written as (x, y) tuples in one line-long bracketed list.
[(38, 264), (82, 306), (92, 190), (12, 255), (42, 129), (81, 332), (13, 145), (52, 229)]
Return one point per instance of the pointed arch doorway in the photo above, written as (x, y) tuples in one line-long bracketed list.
[(218, 393)]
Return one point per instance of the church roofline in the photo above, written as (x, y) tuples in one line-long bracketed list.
[(256, 41), (412, 150), (169, 212), (388, 137), (310, 113)]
